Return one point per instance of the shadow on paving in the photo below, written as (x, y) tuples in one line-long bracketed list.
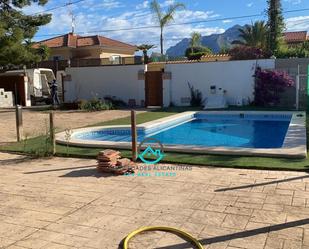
[(243, 234), (55, 170), (93, 172), (262, 184), (83, 171), (14, 161)]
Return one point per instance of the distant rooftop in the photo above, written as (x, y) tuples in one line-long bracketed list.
[(76, 41), (295, 37)]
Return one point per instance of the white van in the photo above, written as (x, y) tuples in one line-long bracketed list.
[(39, 80)]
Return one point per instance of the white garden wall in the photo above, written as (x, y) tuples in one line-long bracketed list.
[(233, 76), (236, 77), (119, 81)]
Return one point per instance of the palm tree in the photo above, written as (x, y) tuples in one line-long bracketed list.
[(254, 35), (145, 48), (195, 40), (164, 18)]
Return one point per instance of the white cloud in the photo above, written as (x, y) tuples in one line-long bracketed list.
[(167, 3), (109, 4), (294, 2), (94, 22), (227, 21), (32, 9), (95, 5), (143, 5), (297, 23), (249, 5)]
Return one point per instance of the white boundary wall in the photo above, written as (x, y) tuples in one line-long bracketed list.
[(236, 77), (119, 81)]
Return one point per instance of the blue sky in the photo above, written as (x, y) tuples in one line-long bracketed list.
[(97, 16)]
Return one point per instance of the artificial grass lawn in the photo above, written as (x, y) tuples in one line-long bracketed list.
[(39, 146), (140, 118)]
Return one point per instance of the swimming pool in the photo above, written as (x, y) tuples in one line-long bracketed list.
[(210, 132)]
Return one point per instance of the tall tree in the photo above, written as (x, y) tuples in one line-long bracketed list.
[(144, 48), (254, 35), (164, 17), (17, 30), (275, 25), (195, 41)]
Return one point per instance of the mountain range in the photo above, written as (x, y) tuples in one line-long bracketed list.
[(215, 42)]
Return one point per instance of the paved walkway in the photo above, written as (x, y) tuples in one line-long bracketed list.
[(35, 123), (65, 203)]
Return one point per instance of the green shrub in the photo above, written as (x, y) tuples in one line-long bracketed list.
[(94, 104), (225, 50), (115, 102), (196, 96), (196, 56), (300, 51), (197, 52)]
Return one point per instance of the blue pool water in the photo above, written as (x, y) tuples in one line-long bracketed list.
[(257, 132)]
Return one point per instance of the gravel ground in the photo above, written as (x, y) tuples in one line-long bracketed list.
[(36, 122)]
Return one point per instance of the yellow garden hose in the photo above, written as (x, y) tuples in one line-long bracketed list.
[(183, 234)]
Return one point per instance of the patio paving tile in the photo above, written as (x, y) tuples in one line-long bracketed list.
[(299, 202), (59, 203), (273, 207), (207, 217), (293, 233), (216, 208), (248, 205), (278, 199), (306, 237), (238, 210), (235, 221), (15, 247), (291, 244), (274, 243), (252, 242), (268, 216), (5, 242), (32, 243)]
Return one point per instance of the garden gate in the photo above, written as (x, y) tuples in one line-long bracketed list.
[(154, 88)]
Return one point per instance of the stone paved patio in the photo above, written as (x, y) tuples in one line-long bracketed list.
[(65, 203)]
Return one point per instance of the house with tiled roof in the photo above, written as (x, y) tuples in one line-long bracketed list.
[(295, 38), (72, 46)]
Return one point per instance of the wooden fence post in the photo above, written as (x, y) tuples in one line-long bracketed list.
[(52, 132), (19, 122), (134, 135)]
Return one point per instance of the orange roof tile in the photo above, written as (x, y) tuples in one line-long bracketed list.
[(76, 41), (299, 36), (215, 55), (88, 41)]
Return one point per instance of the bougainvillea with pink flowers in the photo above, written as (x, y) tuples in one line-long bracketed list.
[(269, 84)]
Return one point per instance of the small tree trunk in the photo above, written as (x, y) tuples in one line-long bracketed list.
[(145, 57), (161, 41), (134, 135)]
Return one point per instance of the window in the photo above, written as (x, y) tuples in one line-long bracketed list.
[(115, 59), (57, 58)]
